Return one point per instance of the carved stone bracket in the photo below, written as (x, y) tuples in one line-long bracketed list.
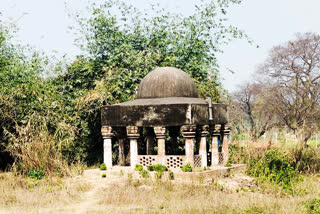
[(204, 130), (226, 129), (106, 132), (160, 132), (189, 131), (133, 132), (216, 130)]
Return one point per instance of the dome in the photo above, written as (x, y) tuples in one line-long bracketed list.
[(167, 82)]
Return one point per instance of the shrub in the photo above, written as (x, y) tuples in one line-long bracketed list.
[(160, 168), (104, 175), (150, 167), (313, 206), (228, 165), (275, 168), (103, 166), (171, 175), (138, 167), (144, 173), (187, 168), (157, 167), (306, 160), (36, 173)]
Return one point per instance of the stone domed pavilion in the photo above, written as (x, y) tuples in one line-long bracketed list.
[(167, 99)]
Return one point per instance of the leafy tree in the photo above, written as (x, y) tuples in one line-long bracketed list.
[(49, 123), (122, 44), (35, 124), (126, 43)]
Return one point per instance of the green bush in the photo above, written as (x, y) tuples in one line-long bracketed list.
[(150, 167), (104, 175), (228, 165), (144, 173), (313, 206), (160, 168), (186, 168), (103, 166), (138, 167), (275, 168), (157, 167), (36, 173)]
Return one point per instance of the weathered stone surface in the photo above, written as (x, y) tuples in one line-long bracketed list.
[(162, 115), (166, 97), (167, 82)]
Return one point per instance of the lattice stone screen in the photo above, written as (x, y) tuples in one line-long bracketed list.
[(174, 161), (221, 154), (197, 160), (146, 160)]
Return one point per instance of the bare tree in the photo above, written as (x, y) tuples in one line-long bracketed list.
[(245, 103), (291, 91)]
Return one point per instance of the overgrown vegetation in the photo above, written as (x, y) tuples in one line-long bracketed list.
[(138, 167), (275, 168), (103, 166), (186, 168), (313, 206), (36, 173), (50, 112)]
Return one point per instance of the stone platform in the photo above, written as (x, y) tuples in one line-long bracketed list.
[(198, 176)]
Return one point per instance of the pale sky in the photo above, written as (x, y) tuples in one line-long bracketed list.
[(44, 25)]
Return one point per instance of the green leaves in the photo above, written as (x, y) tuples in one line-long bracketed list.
[(136, 42), (121, 45), (275, 168)]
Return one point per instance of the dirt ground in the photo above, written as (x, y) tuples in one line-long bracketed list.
[(126, 192)]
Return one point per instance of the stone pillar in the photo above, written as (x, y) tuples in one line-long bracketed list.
[(121, 134), (107, 145), (214, 145), (161, 141), (121, 152), (203, 146), (150, 141), (189, 133), (225, 143), (133, 135)]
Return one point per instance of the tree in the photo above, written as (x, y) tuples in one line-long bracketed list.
[(122, 41), (52, 122), (292, 80), (246, 107), (122, 44)]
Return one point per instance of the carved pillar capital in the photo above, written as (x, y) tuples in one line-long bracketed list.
[(189, 131), (226, 129), (204, 130), (133, 132), (216, 130), (160, 132), (106, 132)]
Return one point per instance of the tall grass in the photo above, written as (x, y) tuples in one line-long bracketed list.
[(34, 147)]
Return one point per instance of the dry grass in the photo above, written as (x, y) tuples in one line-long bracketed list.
[(81, 195), (25, 195), (168, 198)]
